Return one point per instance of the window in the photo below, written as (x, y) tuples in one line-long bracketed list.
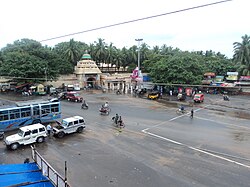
[(55, 108), (35, 131), (36, 111), (81, 121), (45, 109), (25, 112), (70, 123), (41, 129), (4, 115), (14, 114), (27, 133), (75, 122)]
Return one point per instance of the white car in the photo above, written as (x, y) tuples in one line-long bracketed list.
[(26, 135), (69, 125)]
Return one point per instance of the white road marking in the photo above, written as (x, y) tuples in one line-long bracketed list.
[(196, 149), (190, 147), (229, 124)]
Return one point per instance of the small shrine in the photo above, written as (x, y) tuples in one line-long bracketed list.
[(87, 72)]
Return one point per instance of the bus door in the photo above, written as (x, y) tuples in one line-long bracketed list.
[(36, 111)]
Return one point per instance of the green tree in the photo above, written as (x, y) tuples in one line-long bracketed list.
[(73, 52), (242, 55), (100, 51)]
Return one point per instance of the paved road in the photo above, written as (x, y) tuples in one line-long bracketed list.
[(157, 146)]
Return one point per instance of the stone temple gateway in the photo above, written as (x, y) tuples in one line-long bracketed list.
[(87, 72)]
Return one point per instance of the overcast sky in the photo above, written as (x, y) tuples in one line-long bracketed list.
[(214, 27)]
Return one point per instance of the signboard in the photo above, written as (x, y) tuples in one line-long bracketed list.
[(136, 75), (232, 76), (245, 78)]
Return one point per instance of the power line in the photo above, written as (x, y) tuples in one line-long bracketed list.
[(136, 20)]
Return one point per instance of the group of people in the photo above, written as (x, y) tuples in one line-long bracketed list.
[(118, 120), (182, 109)]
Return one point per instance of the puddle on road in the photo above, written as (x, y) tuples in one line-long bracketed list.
[(241, 136), (241, 114), (236, 114)]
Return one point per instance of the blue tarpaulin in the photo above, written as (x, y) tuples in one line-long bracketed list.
[(26, 175)]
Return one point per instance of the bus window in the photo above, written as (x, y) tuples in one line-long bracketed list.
[(25, 112), (14, 114), (36, 111), (4, 115), (55, 108), (45, 109)]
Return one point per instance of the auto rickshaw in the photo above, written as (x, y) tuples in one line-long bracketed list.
[(181, 96), (153, 95)]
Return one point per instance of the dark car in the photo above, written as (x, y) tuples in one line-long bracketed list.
[(73, 96)]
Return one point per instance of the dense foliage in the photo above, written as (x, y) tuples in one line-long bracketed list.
[(28, 59), (242, 55)]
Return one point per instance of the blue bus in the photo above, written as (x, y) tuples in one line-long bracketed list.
[(29, 112)]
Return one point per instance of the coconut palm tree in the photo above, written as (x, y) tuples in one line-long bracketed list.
[(100, 51), (72, 52), (111, 53), (242, 55)]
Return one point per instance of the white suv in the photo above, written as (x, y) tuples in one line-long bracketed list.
[(69, 125), (26, 135)]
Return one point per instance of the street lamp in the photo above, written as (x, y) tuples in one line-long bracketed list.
[(139, 41)]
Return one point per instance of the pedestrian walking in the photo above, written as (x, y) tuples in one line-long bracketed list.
[(49, 129), (192, 114), (170, 92)]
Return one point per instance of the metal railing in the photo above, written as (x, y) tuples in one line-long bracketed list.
[(49, 171)]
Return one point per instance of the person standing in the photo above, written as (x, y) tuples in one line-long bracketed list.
[(192, 114), (49, 128)]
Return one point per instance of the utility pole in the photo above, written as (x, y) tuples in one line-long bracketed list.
[(139, 43)]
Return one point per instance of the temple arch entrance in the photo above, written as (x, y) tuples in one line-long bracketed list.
[(91, 82)]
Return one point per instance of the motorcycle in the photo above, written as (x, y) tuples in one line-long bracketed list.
[(85, 106), (225, 98), (119, 123), (118, 92), (104, 111)]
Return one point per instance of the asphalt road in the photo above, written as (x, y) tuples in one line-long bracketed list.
[(157, 147)]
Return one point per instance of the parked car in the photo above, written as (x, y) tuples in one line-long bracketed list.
[(26, 135), (73, 96), (69, 125), (198, 98)]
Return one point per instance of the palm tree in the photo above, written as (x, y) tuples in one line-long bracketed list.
[(156, 49), (144, 51), (100, 51), (242, 55), (111, 53), (72, 52)]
